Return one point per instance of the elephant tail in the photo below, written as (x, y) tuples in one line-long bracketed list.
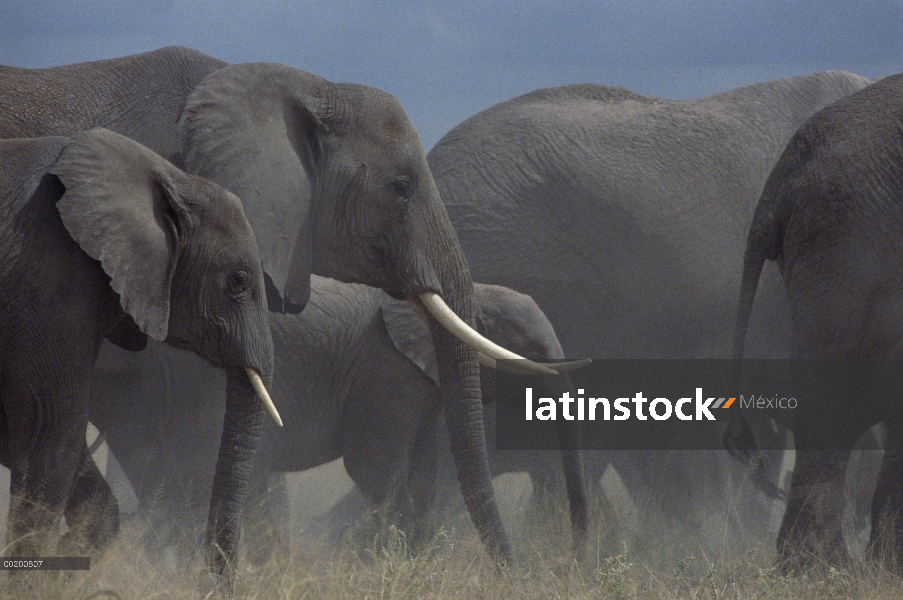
[(753, 262), (763, 243)]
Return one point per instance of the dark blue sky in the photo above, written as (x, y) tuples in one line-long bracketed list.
[(446, 62)]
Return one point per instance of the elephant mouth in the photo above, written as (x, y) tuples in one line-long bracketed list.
[(397, 293), (400, 290)]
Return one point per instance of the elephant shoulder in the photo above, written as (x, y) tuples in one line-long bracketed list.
[(582, 91), (24, 163), (410, 335), (187, 57), (546, 99)]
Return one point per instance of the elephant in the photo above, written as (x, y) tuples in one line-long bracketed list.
[(102, 238), (356, 377), (333, 179), (829, 218), (624, 217)]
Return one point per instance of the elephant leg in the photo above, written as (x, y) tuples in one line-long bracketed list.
[(810, 534), (569, 436), (91, 510), (40, 480), (379, 455), (886, 540), (348, 512), (417, 515), (45, 407)]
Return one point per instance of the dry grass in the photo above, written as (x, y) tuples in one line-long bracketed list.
[(454, 566)]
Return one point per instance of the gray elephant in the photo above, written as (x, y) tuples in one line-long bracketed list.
[(333, 179), (624, 217), (356, 377), (830, 218), (102, 238)]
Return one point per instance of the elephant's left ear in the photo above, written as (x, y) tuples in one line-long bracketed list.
[(410, 335), (124, 207), (257, 129)]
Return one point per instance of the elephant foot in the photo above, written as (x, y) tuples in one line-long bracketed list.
[(31, 528), (91, 511), (810, 537), (885, 547), (813, 556), (92, 525), (220, 571), (91, 536)]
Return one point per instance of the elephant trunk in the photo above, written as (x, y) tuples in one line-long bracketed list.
[(459, 375), (242, 428)]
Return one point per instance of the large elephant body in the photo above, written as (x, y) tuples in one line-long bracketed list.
[(624, 216), (356, 378), (830, 216), (333, 179), (102, 238)]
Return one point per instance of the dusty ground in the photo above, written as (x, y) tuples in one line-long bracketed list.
[(455, 566)]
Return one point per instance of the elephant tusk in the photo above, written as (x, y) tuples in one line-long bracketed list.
[(487, 360), (481, 358), (97, 443), (461, 330), (264, 396), (564, 367), (561, 367)]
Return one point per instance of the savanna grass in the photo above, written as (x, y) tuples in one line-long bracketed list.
[(453, 565)]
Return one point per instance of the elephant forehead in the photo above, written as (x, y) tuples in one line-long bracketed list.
[(380, 116), (390, 132), (224, 220), (393, 128)]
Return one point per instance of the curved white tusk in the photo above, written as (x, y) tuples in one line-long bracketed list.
[(481, 358), (97, 443), (487, 360), (264, 396), (461, 330), (494, 364), (561, 367), (564, 367)]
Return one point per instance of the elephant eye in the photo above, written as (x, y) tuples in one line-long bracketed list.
[(238, 284), (402, 186)]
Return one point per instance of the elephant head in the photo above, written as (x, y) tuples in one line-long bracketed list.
[(181, 255), (335, 182)]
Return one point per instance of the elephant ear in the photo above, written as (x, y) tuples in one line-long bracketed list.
[(123, 206), (256, 129), (410, 335)]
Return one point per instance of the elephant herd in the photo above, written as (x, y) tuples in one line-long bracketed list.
[(243, 215)]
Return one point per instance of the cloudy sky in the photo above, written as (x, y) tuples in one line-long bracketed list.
[(446, 61)]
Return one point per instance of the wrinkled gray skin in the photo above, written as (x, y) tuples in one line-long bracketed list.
[(624, 216), (356, 377), (333, 179), (830, 217), (102, 238)]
